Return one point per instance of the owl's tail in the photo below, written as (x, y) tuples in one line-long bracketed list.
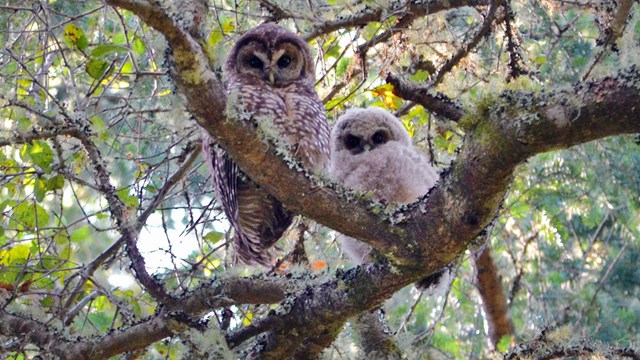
[(257, 218)]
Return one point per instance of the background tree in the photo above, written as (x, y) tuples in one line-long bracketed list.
[(112, 242)]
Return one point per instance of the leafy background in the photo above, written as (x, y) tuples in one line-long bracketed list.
[(565, 242)]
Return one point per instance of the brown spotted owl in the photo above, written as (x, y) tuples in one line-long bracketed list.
[(270, 77)]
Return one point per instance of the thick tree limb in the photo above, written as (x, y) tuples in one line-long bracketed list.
[(376, 340)]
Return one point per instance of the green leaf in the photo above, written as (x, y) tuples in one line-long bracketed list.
[(540, 59), (101, 320), (79, 235), (39, 189), (97, 68), (99, 128), (39, 152), (333, 51), (119, 38), (504, 344), (5, 203), (127, 68), (101, 51), (216, 36), (17, 254), (47, 301), (55, 183), (24, 124), (519, 210), (129, 200), (343, 65), (421, 76), (214, 236), (440, 142), (29, 215), (138, 46)]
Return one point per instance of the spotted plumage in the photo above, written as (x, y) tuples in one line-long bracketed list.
[(270, 77)]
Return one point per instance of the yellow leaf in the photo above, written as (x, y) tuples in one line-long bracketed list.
[(408, 124), (20, 252), (385, 92), (247, 318), (217, 35), (74, 36)]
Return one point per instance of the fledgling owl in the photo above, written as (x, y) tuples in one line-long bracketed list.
[(270, 76), (371, 151)]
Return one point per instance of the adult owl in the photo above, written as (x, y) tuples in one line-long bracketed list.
[(270, 75), (371, 151)]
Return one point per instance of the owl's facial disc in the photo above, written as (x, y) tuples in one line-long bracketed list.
[(379, 137), (286, 64), (252, 59), (353, 143)]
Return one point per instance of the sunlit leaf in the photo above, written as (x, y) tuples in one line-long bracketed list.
[(99, 128), (420, 76), (246, 320), (385, 92), (39, 152), (129, 200), (216, 36), (138, 46)]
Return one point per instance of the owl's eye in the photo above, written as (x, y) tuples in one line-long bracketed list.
[(255, 62), (378, 137), (351, 141), (284, 61)]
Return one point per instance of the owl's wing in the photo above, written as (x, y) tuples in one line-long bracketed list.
[(257, 218), (306, 127)]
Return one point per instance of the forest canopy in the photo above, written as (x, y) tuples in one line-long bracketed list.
[(113, 243)]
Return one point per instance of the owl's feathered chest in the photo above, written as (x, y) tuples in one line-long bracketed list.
[(294, 113)]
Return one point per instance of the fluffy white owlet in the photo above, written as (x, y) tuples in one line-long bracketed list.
[(270, 76), (371, 151)]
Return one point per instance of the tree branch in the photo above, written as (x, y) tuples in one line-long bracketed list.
[(552, 344), (492, 294), (438, 104), (411, 10), (216, 294)]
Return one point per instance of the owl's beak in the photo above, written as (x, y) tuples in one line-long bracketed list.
[(272, 77)]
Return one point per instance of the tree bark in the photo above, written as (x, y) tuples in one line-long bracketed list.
[(494, 301)]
